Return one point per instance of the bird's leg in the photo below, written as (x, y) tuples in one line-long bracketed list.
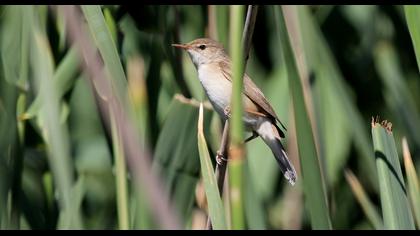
[(254, 135), (227, 111), (228, 114)]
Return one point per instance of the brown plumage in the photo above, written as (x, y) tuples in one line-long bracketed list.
[(214, 72)]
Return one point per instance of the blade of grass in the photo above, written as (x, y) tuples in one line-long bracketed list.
[(335, 97), (215, 206), (412, 16), (120, 176), (413, 181), (395, 207), (368, 208), (110, 22), (15, 38), (54, 132), (64, 77), (76, 197), (103, 40), (313, 186), (15, 45), (140, 212)]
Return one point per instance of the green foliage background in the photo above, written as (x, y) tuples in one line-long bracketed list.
[(360, 63)]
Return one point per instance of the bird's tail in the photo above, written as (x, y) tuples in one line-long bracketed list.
[(269, 134)]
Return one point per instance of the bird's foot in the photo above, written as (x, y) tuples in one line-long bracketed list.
[(220, 159), (227, 111)]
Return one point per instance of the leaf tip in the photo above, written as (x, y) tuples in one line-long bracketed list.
[(387, 125)]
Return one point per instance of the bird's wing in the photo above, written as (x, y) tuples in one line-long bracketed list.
[(251, 91)]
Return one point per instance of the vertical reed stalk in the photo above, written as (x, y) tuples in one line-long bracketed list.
[(236, 152)]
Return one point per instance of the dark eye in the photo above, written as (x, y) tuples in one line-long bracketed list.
[(202, 47)]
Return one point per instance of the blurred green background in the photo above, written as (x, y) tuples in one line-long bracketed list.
[(359, 62)]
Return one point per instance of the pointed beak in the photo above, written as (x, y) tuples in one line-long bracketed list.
[(183, 46)]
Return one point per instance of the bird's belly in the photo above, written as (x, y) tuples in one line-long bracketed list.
[(218, 90)]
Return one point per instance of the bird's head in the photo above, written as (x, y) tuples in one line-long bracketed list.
[(203, 51)]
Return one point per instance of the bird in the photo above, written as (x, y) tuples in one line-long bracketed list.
[(214, 68)]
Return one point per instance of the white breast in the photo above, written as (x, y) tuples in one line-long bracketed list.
[(217, 88)]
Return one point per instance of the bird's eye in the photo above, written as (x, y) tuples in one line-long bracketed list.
[(202, 47)]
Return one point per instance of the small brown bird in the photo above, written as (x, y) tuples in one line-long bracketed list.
[(215, 74)]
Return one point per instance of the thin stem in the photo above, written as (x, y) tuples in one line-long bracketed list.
[(221, 169), (192, 102), (251, 17)]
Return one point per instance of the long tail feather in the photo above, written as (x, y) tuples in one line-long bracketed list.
[(286, 166), (267, 133)]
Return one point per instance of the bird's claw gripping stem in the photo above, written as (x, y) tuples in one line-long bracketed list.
[(220, 159), (227, 111)]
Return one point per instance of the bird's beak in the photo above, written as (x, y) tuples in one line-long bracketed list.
[(183, 46)]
